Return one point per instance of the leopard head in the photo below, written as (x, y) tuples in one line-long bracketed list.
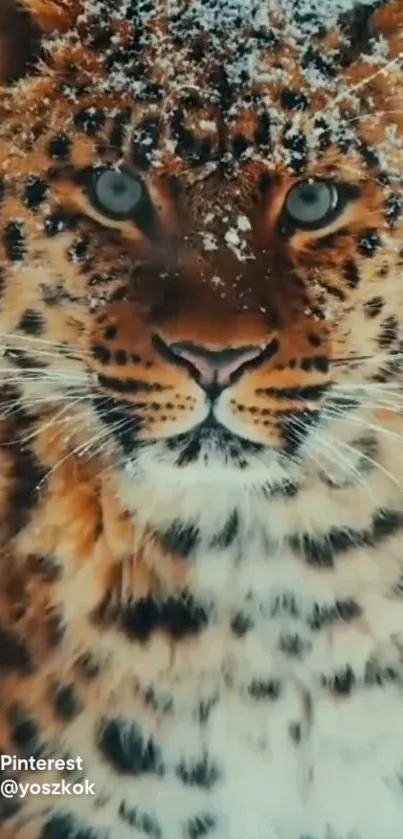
[(201, 231)]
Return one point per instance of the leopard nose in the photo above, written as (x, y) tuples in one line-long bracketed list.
[(213, 367)]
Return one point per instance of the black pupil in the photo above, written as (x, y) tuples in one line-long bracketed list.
[(119, 187), (309, 194)]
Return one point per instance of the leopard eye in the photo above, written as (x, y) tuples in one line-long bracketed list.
[(117, 193), (311, 204)]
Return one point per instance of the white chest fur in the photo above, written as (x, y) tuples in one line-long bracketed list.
[(287, 710)]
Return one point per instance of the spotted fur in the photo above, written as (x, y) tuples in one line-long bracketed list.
[(201, 588)]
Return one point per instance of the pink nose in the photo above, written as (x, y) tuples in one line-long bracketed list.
[(213, 367)]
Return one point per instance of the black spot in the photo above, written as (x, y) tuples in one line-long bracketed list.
[(292, 645), (145, 143), (313, 59), (189, 146), (65, 826), (241, 624), (205, 708), (341, 683), (101, 354), (129, 386), (101, 40), (28, 474), (324, 134), (284, 490), (190, 100), (344, 143), (65, 701), (337, 540), (32, 322), (180, 538), (351, 273), (295, 427), (308, 18), (372, 308), (2, 282), (385, 523), (293, 100), (59, 222), (78, 252), (320, 363), (158, 701), (55, 627), (120, 357), (295, 732), (9, 807), (36, 190), (300, 394), (90, 120), (369, 242), (179, 617), (110, 333), (24, 360), (270, 689), (24, 732), (378, 675), (44, 567), (15, 656), (60, 147), (285, 604), (262, 135), (122, 423), (383, 271), (123, 745), (142, 822), (314, 340), (295, 143), (265, 38), (199, 826), (315, 551), (322, 552), (357, 37), (369, 155), (14, 241), (393, 208), (389, 332), (199, 773), (228, 534), (183, 616), (342, 611), (87, 666), (240, 145)]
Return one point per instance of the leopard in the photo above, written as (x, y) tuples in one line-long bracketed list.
[(201, 424)]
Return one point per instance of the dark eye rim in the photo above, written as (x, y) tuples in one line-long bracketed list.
[(345, 194), (91, 191)]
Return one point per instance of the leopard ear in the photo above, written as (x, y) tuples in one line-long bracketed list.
[(23, 23)]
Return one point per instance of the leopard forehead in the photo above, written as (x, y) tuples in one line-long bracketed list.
[(205, 86)]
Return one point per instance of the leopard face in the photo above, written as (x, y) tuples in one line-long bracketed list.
[(201, 236)]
